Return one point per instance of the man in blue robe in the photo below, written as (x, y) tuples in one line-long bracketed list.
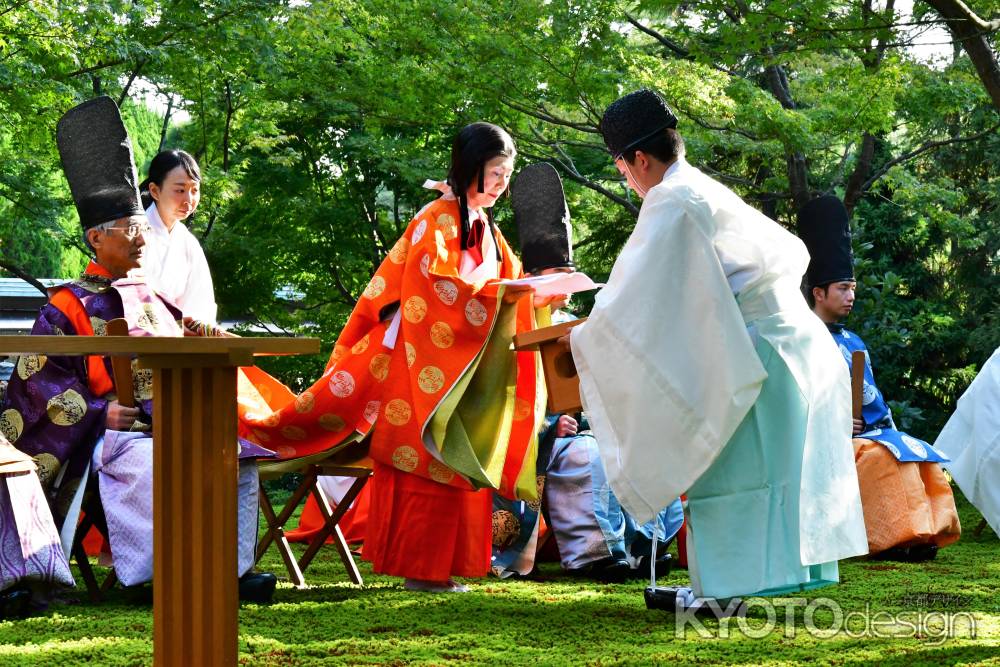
[(908, 505)]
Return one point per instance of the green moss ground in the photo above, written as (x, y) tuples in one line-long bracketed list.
[(554, 619)]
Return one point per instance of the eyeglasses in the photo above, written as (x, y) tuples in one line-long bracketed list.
[(132, 231)]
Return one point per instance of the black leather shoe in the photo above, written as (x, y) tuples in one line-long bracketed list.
[(14, 603), (257, 587), (663, 564), (918, 553), (610, 570)]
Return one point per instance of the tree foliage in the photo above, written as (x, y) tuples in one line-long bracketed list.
[(316, 122)]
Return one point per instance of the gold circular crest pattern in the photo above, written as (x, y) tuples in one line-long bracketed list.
[(418, 231), (148, 321), (425, 265), (47, 467), (142, 382), (475, 313), (405, 458), (398, 412), (305, 402), (272, 419), (293, 433), (415, 309), (67, 408), (11, 424), (99, 326), (374, 288), (338, 353), (430, 379), (29, 364), (446, 225), (399, 251), (342, 384), (440, 473), (505, 528), (522, 409), (260, 435), (379, 366), (332, 422), (361, 345), (447, 291), (442, 336), (411, 354), (536, 505), (371, 411)]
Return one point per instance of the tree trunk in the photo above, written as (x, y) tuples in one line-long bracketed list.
[(971, 31), (798, 174)]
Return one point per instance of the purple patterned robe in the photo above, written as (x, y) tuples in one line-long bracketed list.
[(29, 542), (52, 413)]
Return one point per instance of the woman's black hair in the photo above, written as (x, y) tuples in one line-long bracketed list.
[(474, 146), (163, 164)]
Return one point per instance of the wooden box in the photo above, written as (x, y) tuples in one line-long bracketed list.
[(561, 380)]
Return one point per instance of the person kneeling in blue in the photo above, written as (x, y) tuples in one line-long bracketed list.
[(594, 535), (907, 501)]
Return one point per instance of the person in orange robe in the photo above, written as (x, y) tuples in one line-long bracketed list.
[(424, 367)]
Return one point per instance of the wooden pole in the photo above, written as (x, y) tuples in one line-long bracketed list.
[(195, 598), (857, 382), (121, 366)]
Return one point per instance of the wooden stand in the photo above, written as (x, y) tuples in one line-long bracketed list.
[(195, 605), (561, 380)]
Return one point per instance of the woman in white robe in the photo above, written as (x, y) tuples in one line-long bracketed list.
[(173, 261)]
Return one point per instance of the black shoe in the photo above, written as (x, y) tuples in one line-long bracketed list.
[(917, 553), (257, 587), (138, 594), (611, 570), (663, 564), (14, 603)]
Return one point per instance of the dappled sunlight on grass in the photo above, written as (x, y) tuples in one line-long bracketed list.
[(553, 618)]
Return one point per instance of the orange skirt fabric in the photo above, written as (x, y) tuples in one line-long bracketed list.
[(353, 524), (904, 503), (420, 529)]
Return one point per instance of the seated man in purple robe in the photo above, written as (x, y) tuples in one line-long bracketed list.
[(63, 411)]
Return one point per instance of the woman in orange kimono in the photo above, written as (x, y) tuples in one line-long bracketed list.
[(425, 366)]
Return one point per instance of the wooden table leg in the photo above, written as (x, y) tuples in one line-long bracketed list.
[(195, 598)]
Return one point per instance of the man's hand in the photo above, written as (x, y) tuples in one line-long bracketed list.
[(120, 418), (512, 293), (859, 426), (566, 426)]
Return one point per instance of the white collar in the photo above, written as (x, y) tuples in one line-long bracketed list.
[(156, 222)]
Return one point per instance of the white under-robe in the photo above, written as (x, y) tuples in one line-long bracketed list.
[(174, 263)]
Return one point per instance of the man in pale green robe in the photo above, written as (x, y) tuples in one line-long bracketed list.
[(704, 372)]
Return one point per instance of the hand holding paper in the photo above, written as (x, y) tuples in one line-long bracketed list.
[(556, 283)]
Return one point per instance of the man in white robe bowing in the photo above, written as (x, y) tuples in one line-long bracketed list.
[(704, 372)]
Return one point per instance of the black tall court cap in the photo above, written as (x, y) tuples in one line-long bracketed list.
[(634, 118), (542, 218), (825, 229), (98, 161)]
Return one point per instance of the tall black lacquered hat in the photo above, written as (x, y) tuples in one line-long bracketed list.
[(634, 118), (98, 162), (825, 229), (542, 218)]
